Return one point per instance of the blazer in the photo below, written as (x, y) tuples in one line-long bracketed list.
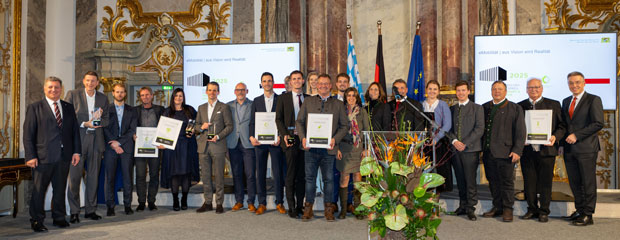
[(508, 131), (443, 118), (558, 127), (587, 121), (159, 110), (127, 130), (259, 106), (340, 121), (408, 115), (77, 97), (380, 116), (472, 125), (221, 125), (285, 116), (241, 127), (43, 138)]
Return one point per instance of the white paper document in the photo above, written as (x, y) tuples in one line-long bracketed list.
[(265, 129), (319, 131), (538, 126), (144, 142), (167, 133)]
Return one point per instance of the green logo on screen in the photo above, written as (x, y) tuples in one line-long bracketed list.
[(545, 79), (290, 49), (605, 40)]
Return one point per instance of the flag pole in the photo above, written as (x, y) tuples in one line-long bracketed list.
[(417, 28), (349, 30), (379, 26)]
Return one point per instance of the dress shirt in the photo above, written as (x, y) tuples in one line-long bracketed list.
[(210, 109), (578, 99), (50, 102), (464, 103), (296, 102), (268, 102), (430, 107), (119, 115), (90, 102)]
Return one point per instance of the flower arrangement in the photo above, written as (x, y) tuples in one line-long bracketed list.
[(397, 194)]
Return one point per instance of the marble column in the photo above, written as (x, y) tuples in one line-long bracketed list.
[(294, 20), (472, 30), (59, 48), (316, 35), (426, 11), (243, 22), (85, 38), (35, 51), (451, 43), (336, 38)]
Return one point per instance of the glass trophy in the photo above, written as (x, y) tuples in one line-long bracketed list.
[(97, 117), (190, 127)]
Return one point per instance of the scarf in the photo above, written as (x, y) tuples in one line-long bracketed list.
[(355, 129)]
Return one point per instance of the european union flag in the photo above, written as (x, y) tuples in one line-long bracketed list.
[(415, 79)]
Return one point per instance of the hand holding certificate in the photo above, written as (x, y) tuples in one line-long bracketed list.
[(538, 126), (265, 130), (144, 142), (319, 130), (167, 133)]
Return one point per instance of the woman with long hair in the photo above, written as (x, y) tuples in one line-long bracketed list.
[(376, 107)]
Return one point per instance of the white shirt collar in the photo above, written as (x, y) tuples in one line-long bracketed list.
[(86, 92), (464, 103), (498, 102), (51, 102), (537, 100), (579, 96)]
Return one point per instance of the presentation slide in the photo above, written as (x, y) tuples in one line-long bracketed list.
[(230, 64), (549, 57)]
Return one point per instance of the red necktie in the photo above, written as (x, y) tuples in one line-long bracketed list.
[(57, 113), (572, 108)]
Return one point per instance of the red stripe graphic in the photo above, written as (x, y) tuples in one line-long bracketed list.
[(597, 80), (279, 85)]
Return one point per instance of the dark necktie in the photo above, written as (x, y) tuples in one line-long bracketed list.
[(458, 127), (299, 99), (57, 113), (534, 105)]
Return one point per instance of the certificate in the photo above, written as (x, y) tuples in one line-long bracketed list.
[(167, 133), (319, 131), (144, 142), (265, 129), (538, 126)]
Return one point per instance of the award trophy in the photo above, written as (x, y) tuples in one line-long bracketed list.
[(97, 117), (211, 134), (189, 130)]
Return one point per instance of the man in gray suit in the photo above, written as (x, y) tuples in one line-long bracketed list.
[(215, 123), (241, 151), (91, 108), (502, 143), (319, 157), (468, 122)]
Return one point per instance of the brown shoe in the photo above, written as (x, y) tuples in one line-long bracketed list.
[(494, 212), (281, 209), (251, 208), (329, 212), (205, 207), (507, 215), (350, 208), (261, 209), (237, 207), (308, 213)]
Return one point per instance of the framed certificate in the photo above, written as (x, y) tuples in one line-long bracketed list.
[(167, 132), (538, 126), (319, 130), (144, 142), (265, 129)]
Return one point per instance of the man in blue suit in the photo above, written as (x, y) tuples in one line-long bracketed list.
[(241, 151)]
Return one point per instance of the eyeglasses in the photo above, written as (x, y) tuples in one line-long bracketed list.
[(240, 90), (535, 87)]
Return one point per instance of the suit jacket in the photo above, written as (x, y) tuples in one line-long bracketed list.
[(241, 127), (472, 125), (380, 116), (77, 97), (259, 106), (43, 138), (407, 115), (221, 125), (127, 130), (159, 110), (508, 131), (558, 128), (340, 121), (587, 121), (285, 115)]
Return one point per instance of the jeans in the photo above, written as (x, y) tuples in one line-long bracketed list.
[(315, 159)]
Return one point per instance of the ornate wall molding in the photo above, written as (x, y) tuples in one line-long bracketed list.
[(10, 62)]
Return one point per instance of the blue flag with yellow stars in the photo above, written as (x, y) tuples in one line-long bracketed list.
[(415, 79)]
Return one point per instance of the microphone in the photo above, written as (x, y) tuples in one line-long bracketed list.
[(397, 95)]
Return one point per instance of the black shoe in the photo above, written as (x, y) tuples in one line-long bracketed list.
[(583, 220), (572, 217), (75, 218), (94, 216), (292, 213), (140, 207), (460, 211), (60, 223), (37, 226), (471, 216), (110, 212), (205, 207), (128, 211), (299, 211), (543, 218), (184, 201), (152, 206), (219, 209), (529, 215)]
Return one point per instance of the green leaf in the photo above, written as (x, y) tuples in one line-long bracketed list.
[(431, 180), (400, 169), (398, 219), (370, 199), (363, 187), (368, 166)]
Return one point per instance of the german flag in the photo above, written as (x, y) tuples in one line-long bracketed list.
[(379, 67)]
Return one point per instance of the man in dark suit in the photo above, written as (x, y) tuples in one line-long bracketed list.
[(51, 144), (583, 114), (91, 108), (468, 122), (215, 123), (321, 158), (405, 117), (287, 109), (538, 160), (148, 116), (267, 103), (502, 143), (120, 146)]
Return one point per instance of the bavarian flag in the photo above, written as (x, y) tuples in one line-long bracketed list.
[(415, 79), (352, 69)]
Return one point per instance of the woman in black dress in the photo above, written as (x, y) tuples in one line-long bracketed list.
[(376, 107)]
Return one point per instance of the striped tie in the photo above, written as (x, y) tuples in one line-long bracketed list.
[(57, 113)]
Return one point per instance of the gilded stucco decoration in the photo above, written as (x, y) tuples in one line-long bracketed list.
[(108, 82), (10, 56), (494, 17)]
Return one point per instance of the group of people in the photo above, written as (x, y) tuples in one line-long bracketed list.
[(67, 141)]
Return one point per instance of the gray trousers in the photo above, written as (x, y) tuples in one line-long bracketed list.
[(91, 156), (153, 185), (212, 162)]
